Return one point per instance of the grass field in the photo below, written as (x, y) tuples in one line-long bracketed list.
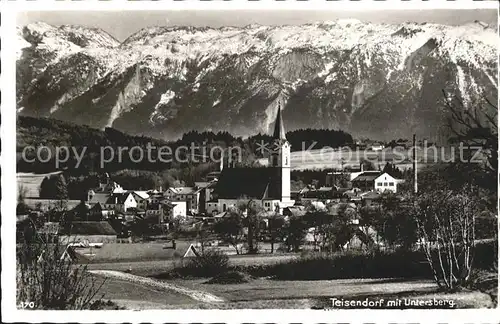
[(328, 158), (265, 293), (151, 251), (155, 267), (130, 252), (268, 293), (31, 182), (116, 289)]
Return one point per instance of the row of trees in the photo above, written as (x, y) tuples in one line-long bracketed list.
[(52, 134)]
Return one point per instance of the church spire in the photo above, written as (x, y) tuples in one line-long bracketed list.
[(279, 128)]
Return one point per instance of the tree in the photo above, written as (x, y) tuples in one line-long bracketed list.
[(22, 193), (395, 224), (318, 221), (477, 126), (252, 222), (54, 187), (230, 229), (446, 228), (82, 213), (368, 165), (294, 233), (22, 209), (202, 234), (275, 226), (49, 275), (368, 216), (340, 230), (393, 170)]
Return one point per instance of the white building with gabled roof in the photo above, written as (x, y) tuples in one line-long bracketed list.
[(386, 182)]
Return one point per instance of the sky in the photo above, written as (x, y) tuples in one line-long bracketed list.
[(122, 24)]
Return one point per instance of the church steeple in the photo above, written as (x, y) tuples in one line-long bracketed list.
[(279, 127)]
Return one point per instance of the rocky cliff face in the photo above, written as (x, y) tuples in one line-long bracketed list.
[(382, 81)]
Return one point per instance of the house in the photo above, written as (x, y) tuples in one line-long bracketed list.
[(212, 207), (338, 208), (98, 211), (360, 238), (100, 203), (370, 198), (377, 147), (386, 182), (116, 201), (214, 175), (356, 171), (108, 186), (155, 198), (141, 197), (190, 195), (244, 184), (299, 193), (206, 194), (154, 211), (173, 209), (353, 195), (87, 232), (375, 180), (365, 180), (295, 211), (269, 186), (337, 178)]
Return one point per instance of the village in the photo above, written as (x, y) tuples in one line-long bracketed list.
[(110, 211)]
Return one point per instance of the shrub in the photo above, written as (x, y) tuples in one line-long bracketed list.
[(51, 279), (208, 264), (328, 266), (397, 264), (486, 255), (230, 277)]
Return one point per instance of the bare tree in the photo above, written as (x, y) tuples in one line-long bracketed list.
[(276, 223), (477, 126), (49, 277), (446, 224), (230, 229), (251, 220), (22, 193)]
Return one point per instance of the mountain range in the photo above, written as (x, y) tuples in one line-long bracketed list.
[(373, 80)]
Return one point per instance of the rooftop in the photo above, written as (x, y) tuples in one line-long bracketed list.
[(256, 183), (184, 190), (367, 176)]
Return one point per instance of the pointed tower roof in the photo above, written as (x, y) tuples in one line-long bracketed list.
[(279, 127)]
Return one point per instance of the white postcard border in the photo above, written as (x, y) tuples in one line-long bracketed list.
[(9, 187)]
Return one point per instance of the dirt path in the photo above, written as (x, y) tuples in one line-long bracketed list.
[(192, 293)]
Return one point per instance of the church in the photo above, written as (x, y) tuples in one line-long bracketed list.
[(269, 186)]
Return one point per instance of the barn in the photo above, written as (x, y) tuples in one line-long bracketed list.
[(87, 233)]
